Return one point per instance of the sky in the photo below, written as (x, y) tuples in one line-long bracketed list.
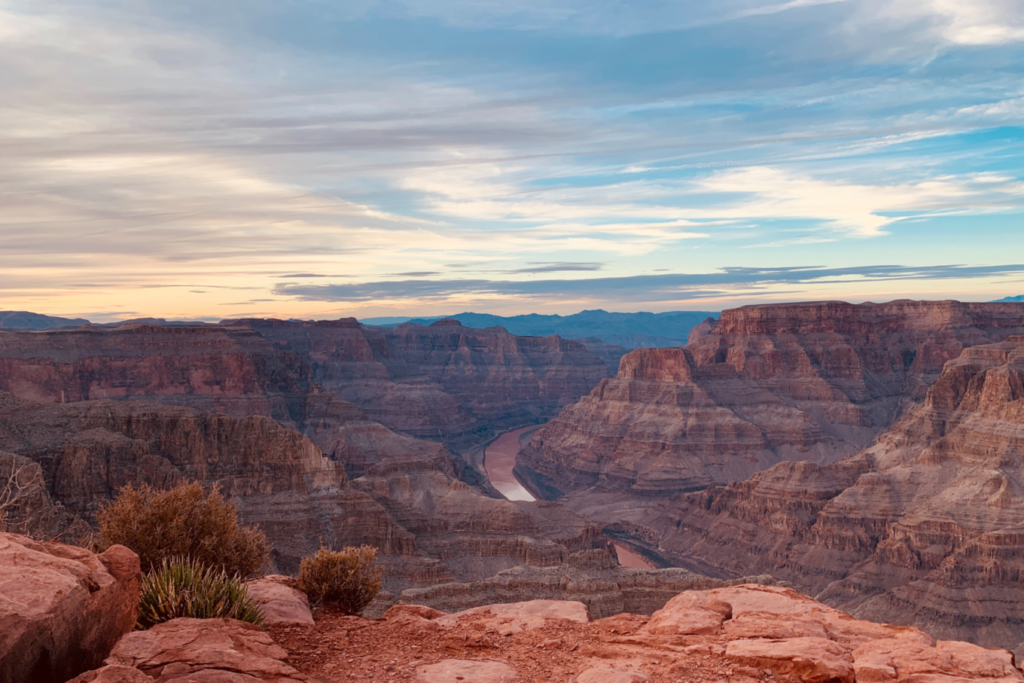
[(321, 159)]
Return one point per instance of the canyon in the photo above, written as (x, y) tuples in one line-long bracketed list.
[(925, 527), (259, 408), (868, 455)]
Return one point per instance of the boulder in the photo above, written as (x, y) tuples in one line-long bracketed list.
[(281, 604), (62, 608), (201, 650), (812, 660)]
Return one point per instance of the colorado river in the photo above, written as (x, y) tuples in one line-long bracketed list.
[(500, 459)]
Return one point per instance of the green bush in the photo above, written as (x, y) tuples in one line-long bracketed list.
[(347, 579), (185, 588), (185, 521)]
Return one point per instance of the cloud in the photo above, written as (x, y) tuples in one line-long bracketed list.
[(667, 287), (562, 267)]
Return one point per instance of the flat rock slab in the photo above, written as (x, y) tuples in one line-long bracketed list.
[(281, 604), (113, 673), (205, 650), (465, 671), (811, 660), (611, 675)]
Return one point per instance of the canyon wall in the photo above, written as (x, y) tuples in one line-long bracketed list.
[(428, 526), (809, 382), (925, 527), (442, 382)]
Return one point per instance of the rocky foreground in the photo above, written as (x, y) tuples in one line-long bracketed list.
[(67, 613)]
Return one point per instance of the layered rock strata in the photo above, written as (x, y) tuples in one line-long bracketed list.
[(62, 608), (442, 379), (791, 382), (926, 527), (592, 578), (428, 526)]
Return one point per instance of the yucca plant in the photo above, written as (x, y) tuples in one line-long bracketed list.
[(183, 587)]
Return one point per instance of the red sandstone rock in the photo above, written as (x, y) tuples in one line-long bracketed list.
[(281, 604), (413, 610), (621, 650), (62, 608), (199, 650), (455, 670), (606, 674), (812, 660), (512, 618), (113, 673)]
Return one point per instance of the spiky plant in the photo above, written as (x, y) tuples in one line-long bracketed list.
[(182, 587)]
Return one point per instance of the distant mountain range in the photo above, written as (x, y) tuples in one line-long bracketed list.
[(1010, 299), (23, 320), (629, 330)]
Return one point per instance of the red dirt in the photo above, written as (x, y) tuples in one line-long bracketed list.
[(342, 648)]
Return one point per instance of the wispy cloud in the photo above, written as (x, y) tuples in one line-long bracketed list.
[(667, 287), (152, 161)]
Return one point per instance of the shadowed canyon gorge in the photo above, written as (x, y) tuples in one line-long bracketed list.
[(869, 455)]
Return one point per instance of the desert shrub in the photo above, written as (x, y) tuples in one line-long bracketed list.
[(186, 588), (185, 521), (347, 579)]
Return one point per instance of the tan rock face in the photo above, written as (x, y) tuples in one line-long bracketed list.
[(62, 608), (794, 382), (834, 647), (926, 527), (281, 604)]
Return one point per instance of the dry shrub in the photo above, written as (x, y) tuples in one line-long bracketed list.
[(185, 588), (347, 579), (184, 522)]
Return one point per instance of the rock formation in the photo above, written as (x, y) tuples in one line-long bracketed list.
[(197, 650), (741, 634), (62, 608), (592, 578), (442, 379), (926, 527), (428, 526), (332, 380), (813, 382), (280, 601)]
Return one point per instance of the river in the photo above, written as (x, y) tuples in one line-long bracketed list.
[(500, 459)]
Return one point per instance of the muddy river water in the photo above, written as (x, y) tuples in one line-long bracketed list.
[(500, 459)]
